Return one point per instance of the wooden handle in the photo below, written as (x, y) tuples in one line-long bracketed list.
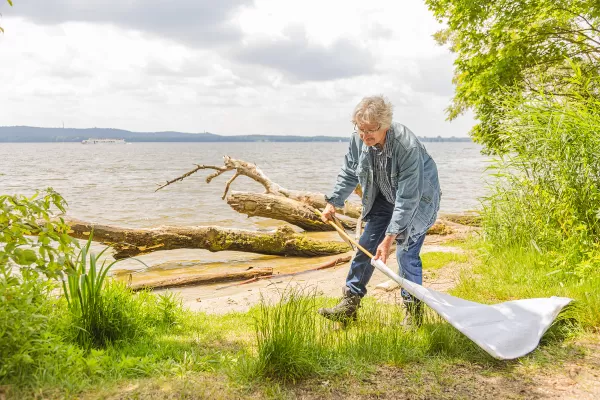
[(345, 236)]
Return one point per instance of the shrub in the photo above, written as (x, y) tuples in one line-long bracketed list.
[(31, 238), (547, 193), (25, 326), (34, 247)]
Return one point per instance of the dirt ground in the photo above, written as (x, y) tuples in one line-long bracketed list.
[(574, 380)]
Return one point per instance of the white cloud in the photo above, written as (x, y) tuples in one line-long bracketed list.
[(272, 67)]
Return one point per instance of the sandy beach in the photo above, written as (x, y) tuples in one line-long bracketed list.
[(225, 297)]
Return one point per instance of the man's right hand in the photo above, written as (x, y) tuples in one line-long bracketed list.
[(328, 213)]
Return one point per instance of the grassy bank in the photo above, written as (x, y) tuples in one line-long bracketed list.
[(284, 349)]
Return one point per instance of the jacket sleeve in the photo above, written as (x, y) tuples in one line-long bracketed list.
[(346, 179), (408, 193)]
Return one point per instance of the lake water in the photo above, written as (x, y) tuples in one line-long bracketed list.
[(114, 184)]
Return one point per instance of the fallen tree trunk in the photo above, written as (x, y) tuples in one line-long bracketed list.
[(293, 206), (129, 242), (296, 213), (202, 279), (281, 208)]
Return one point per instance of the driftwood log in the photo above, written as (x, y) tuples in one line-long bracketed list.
[(130, 242), (325, 265), (250, 170), (281, 208), (292, 206), (300, 214), (199, 279)]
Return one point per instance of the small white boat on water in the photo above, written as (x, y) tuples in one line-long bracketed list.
[(103, 141)]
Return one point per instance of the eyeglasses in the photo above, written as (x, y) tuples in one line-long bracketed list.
[(366, 132)]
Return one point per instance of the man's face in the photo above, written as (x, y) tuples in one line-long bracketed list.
[(371, 134)]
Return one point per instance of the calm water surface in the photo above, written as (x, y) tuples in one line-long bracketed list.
[(114, 184)]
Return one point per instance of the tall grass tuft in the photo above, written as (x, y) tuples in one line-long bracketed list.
[(104, 311), (294, 342), (288, 348)]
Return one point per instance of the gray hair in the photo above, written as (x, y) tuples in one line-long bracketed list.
[(373, 109)]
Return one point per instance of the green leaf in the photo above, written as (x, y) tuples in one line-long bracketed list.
[(24, 257)]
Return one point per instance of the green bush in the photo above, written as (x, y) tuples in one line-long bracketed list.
[(47, 340), (34, 248), (541, 222), (24, 326), (547, 193)]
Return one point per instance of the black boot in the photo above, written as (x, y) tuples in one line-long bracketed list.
[(346, 309), (414, 313)]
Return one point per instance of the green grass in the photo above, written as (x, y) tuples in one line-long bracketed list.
[(194, 343), (439, 259), (295, 343), (508, 274), (273, 348)]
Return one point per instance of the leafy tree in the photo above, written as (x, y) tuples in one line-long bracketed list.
[(504, 46)]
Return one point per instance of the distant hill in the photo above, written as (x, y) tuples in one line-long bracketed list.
[(20, 134)]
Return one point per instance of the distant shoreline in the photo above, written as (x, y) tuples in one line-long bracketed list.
[(27, 134), (343, 140)]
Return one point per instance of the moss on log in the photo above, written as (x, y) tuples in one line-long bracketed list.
[(129, 242)]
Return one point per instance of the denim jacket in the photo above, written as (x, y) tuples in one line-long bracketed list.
[(413, 175)]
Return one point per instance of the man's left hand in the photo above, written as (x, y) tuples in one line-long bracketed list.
[(383, 250)]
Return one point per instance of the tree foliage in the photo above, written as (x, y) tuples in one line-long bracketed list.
[(504, 46)]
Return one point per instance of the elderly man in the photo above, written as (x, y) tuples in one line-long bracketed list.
[(400, 201)]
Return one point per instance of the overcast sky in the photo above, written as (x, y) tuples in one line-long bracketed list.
[(278, 67)]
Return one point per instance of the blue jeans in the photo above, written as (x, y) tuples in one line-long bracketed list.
[(409, 261)]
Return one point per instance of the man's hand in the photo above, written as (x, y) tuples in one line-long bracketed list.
[(383, 250), (328, 213)]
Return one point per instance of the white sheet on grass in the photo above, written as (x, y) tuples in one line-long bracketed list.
[(506, 330)]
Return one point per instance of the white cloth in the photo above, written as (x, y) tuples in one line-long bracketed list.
[(506, 331)]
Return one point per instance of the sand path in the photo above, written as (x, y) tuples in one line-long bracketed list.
[(222, 298)]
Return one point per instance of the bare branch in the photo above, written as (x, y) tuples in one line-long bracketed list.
[(198, 168), (229, 184), (220, 171)]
